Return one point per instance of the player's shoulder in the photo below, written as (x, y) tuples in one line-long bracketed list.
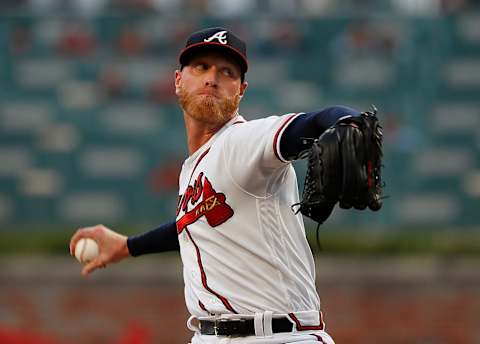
[(262, 123)]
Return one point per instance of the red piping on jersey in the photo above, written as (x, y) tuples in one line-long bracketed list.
[(198, 161), (301, 327), (318, 338), (278, 133), (204, 277), (181, 197), (202, 306)]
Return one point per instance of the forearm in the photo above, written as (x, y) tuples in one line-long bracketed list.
[(161, 239), (310, 125)]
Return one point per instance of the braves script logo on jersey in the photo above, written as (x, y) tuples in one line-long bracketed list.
[(212, 204), (220, 36)]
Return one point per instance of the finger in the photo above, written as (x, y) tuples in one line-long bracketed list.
[(92, 266), (87, 270), (79, 234)]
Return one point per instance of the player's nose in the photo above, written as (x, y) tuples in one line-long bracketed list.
[(211, 77)]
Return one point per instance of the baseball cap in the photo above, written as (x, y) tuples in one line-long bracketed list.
[(217, 38)]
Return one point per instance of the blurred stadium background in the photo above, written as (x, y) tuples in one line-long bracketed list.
[(90, 132)]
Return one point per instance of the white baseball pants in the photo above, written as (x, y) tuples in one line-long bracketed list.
[(314, 337)]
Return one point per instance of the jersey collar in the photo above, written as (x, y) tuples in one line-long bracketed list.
[(235, 120)]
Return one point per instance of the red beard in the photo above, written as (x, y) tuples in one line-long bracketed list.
[(208, 108)]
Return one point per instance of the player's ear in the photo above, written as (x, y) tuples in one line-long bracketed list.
[(178, 78), (243, 88)]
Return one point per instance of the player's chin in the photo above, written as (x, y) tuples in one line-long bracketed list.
[(209, 102), (210, 112), (213, 118)]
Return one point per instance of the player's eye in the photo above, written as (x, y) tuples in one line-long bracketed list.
[(227, 72), (201, 67)]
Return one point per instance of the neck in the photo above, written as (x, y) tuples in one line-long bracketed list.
[(198, 132)]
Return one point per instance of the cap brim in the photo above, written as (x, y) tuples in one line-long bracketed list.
[(187, 53)]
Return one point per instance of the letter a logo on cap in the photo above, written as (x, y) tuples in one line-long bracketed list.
[(220, 36)]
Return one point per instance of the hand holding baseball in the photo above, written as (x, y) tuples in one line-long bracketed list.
[(97, 247)]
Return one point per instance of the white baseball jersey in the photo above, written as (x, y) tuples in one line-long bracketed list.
[(243, 248)]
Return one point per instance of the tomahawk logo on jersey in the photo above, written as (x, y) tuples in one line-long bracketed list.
[(204, 201)]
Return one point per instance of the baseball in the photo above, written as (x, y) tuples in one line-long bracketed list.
[(86, 250)]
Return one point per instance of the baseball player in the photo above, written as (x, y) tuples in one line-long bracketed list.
[(248, 269)]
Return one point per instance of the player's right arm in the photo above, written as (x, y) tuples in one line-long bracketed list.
[(115, 247), (161, 239)]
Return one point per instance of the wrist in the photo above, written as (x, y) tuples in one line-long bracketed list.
[(125, 250)]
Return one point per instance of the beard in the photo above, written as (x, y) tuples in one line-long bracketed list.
[(208, 109)]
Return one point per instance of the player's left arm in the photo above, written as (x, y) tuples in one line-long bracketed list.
[(257, 152), (310, 125)]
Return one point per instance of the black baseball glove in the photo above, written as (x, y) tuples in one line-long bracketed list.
[(344, 166)]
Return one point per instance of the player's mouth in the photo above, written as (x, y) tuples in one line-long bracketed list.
[(208, 93)]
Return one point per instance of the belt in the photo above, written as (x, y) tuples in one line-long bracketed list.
[(242, 327)]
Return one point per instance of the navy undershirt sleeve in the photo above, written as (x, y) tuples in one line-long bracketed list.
[(310, 125), (161, 239)]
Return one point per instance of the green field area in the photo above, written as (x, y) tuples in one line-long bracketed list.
[(342, 241)]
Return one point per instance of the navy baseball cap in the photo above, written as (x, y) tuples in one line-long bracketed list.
[(217, 38)]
